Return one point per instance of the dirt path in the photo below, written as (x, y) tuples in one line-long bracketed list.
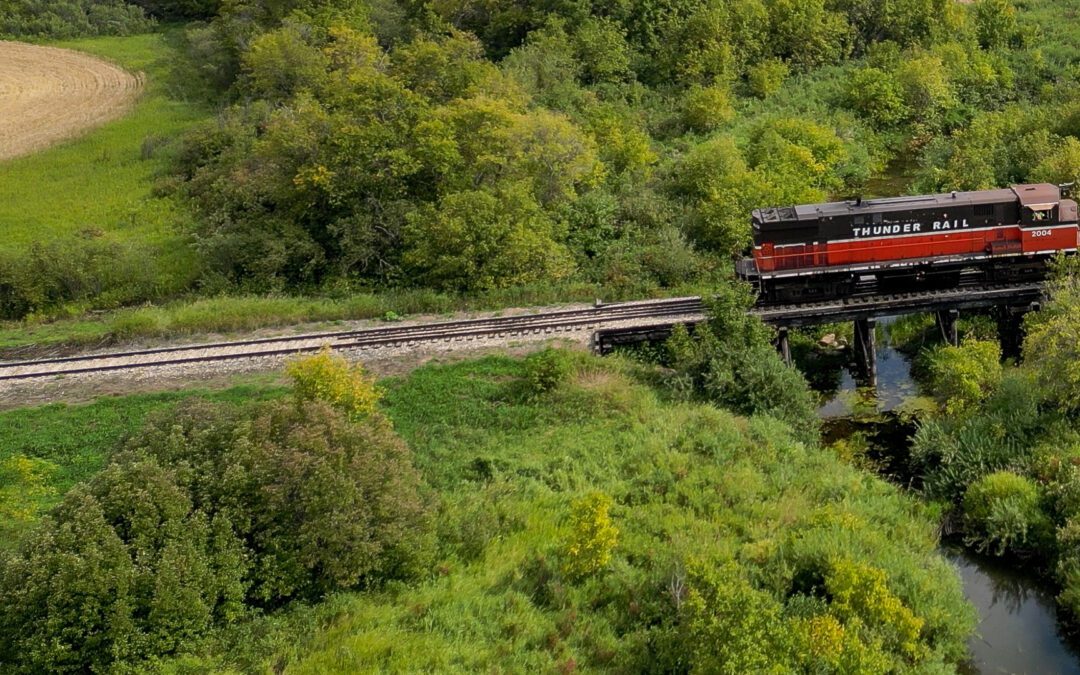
[(49, 94)]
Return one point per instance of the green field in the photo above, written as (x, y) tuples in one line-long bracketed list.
[(99, 186)]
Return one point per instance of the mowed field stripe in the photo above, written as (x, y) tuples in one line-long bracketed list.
[(49, 94)]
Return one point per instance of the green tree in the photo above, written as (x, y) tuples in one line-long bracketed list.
[(876, 95), (482, 240), (995, 23), (601, 48), (730, 360), (1060, 164)]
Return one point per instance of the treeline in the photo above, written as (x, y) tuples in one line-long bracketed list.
[(463, 147), (59, 19), (62, 19)]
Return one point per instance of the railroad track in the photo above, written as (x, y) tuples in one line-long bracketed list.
[(641, 317), (373, 339)]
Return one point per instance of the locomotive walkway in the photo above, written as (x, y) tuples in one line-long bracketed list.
[(602, 327)]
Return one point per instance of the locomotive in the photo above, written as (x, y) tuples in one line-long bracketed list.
[(864, 247)]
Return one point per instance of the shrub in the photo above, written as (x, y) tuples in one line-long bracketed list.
[(730, 626), (962, 377), (330, 378), (766, 78), (707, 108), (545, 370), (1001, 512), (592, 536), (860, 597)]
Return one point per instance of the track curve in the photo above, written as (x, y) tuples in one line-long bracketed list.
[(49, 94)]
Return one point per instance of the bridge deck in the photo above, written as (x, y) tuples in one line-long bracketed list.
[(847, 309)]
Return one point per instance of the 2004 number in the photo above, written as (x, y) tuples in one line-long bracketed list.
[(1040, 233)]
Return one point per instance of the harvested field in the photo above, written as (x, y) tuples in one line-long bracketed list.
[(49, 94)]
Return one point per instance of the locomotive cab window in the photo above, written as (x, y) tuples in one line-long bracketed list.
[(1039, 214)]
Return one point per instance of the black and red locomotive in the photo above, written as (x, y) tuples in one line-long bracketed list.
[(837, 249)]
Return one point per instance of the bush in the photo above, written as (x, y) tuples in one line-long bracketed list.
[(707, 108), (1001, 512), (209, 512), (962, 377), (330, 378), (766, 78), (546, 370), (592, 536)]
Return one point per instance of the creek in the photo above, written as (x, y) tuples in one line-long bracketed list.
[(1019, 630)]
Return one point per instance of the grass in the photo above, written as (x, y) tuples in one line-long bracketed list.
[(691, 485), (99, 185), (239, 313), (689, 482)]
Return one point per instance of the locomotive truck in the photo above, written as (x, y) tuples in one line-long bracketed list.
[(825, 251)]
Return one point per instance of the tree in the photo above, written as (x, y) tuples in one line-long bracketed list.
[(707, 108), (319, 500), (484, 239), (995, 23), (876, 95), (602, 50), (1061, 163), (730, 360), (122, 570)]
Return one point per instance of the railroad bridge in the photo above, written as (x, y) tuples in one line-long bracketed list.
[(1009, 303)]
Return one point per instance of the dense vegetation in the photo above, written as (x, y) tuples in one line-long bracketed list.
[(1002, 450), (564, 514), (59, 19), (381, 146)]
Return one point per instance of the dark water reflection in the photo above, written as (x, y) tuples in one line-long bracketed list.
[(895, 384), (1018, 629)]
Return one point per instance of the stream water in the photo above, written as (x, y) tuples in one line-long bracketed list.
[(1018, 630)]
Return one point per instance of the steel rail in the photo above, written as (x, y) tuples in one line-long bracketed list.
[(355, 339), (687, 309)]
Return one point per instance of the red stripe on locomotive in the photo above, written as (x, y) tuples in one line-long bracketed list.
[(1046, 223)]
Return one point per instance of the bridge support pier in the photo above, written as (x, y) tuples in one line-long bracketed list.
[(1010, 325), (946, 323), (865, 350), (783, 344)]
